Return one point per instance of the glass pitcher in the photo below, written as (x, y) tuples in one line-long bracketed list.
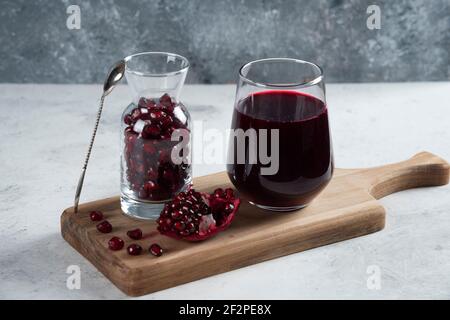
[(155, 134)]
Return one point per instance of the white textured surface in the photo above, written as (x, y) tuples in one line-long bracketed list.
[(44, 134)]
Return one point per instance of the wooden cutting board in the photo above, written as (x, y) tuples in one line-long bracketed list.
[(347, 208)]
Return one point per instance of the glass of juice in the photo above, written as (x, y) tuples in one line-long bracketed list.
[(280, 154)]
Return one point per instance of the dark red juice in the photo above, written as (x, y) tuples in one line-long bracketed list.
[(305, 151)]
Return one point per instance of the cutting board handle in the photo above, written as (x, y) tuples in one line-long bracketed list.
[(422, 170)]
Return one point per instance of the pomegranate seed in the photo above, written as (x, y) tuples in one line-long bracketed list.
[(104, 227), (166, 121), (177, 214), (152, 174), (229, 194), (180, 226), (151, 104), (143, 194), (156, 114), (130, 137), (127, 119), (156, 250), (172, 129), (142, 102), (96, 215), (169, 176), (140, 168), (148, 190), (164, 155), (129, 131), (190, 227), (115, 243), (150, 186), (180, 196), (151, 131), (184, 233), (168, 221), (149, 147), (134, 249), (165, 136), (165, 100), (146, 103), (135, 234), (135, 114), (135, 187), (218, 193)]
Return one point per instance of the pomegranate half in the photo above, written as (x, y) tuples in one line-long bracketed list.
[(195, 216)]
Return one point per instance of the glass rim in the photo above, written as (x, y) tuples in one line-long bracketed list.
[(156, 53), (310, 83)]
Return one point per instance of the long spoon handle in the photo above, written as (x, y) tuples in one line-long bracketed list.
[(88, 154)]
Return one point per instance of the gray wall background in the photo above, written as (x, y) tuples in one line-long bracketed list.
[(219, 36)]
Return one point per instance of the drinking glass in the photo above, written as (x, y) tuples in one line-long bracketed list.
[(280, 153)]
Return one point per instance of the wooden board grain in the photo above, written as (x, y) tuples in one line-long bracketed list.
[(347, 208)]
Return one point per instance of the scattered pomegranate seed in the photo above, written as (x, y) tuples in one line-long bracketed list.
[(134, 249), (96, 215), (115, 243), (104, 227), (135, 234), (156, 250)]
